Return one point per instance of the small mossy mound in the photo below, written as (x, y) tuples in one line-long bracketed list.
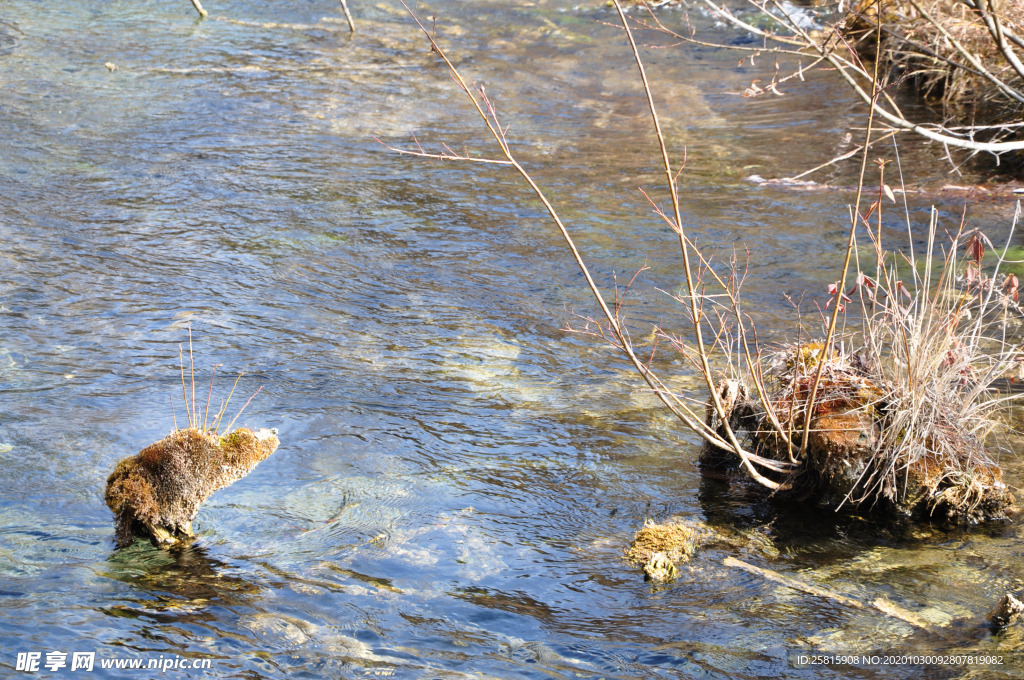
[(158, 492), (660, 548)]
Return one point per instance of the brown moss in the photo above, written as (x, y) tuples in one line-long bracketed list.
[(158, 492), (658, 548), (841, 447)]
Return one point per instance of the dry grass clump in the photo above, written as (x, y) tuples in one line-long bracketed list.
[(906, 403), (900, 410), (157, 492), (659, 548), (678, 541), (951, 48)]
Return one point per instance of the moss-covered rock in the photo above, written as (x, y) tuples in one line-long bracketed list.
[(158, 492)]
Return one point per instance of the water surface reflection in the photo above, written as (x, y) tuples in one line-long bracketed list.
[(457, 476)]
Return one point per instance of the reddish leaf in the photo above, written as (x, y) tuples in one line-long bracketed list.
[(976, 246), (865, 283), (903, 289), (834, 291)]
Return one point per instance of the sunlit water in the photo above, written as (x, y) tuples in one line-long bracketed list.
[(457, 475)]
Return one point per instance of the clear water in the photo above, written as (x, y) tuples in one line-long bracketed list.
[(457, 476)]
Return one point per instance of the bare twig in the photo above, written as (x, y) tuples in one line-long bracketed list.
[(194, 419), (184, 395), (1011, 92), (242, 409), (442, 156), (348, 16), (209, 396), (843, 66), (1006, 33), (844, 156), (827, 349), (488, 113), (991, 19), (224, 408)]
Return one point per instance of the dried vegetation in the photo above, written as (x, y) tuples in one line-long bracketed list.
[(890, 402), (898, 412), (659, 548), (962, 53), (968, 53)]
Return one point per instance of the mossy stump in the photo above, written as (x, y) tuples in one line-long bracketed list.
[(961, 485), (158, 492), (851, 454)]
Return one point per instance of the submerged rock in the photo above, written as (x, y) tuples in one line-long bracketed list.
[(157, 492), (660, 549)]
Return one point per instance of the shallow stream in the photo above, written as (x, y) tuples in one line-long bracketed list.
[(458, 476)]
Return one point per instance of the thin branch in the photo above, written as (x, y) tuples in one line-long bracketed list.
[(880, 604), (486, 110), (698, 333), (827, 346), (451, 156), (995, 29), (842, 65), (192, 368), (1006, 33), (242, 409), (184, 395), (209, 396), (348, 16), (727, 15), (224, 409), (843, 156)]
